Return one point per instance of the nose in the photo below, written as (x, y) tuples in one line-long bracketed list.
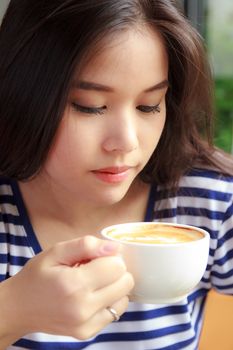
[(122, 134)]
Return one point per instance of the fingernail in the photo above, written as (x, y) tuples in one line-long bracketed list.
[(109, 247)]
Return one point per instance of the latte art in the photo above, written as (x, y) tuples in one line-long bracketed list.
[(158, 234)]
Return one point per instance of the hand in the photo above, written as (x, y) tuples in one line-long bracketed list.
[(59, 294)]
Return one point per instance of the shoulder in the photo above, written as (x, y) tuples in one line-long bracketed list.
[(201, 181), (209, 191), (203, 198), (209, 174), (8, 206), (207, 188), (6, 191), (200, 188), (210, 179)]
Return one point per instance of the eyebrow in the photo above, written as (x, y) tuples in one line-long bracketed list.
[(162, 85), (88, 85)]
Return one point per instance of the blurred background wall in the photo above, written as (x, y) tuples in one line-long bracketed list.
[(3, 5)]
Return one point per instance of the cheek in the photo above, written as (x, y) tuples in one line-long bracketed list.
[(73, 149), (64, 150), (62, 147), (154, 132)]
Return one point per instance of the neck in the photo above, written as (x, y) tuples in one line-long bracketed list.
[(46, 202)]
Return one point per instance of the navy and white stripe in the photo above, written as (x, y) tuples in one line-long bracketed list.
[(204, 199)]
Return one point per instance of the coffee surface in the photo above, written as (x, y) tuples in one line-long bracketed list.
[(158, 234)]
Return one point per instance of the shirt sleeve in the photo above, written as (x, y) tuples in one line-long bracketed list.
[(222, 268)]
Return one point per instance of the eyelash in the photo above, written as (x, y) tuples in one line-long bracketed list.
[(100, 110), (89, 110), (149, 109)]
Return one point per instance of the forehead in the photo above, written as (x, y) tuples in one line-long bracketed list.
[(131, 52)]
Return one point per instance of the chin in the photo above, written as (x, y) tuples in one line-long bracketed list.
[(112, 197)]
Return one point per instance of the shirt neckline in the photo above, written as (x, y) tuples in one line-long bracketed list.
[(30, 234)]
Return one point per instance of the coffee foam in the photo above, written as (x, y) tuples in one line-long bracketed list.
[(157, 234)]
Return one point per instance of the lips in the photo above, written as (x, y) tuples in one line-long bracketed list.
[(113, 170), (113, 174)]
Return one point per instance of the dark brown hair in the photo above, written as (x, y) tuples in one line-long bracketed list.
[(42, 43)]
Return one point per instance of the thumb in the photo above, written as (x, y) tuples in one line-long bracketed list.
[(81, 250)]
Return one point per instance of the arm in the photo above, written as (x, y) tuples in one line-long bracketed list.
[(9, 331)]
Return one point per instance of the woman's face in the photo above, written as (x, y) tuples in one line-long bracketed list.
[(113, 120)]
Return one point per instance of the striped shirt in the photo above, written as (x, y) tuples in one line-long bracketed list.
[(205, 200)]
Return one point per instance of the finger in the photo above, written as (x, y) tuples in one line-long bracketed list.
[(101, 272), (81, 250), (100, 319), (120, 306), (102, 298), (117, 290)]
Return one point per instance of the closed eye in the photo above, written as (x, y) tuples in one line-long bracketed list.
[(88, 110), (149, 109), (100, 110)]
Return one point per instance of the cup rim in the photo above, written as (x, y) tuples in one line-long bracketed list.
[(104, 231)]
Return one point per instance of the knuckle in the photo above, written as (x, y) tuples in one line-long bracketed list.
[(83, 333), (81, 316), (119, 264), (77, 316), (125, 304), (87, 243), (82, 309), (130, 280)]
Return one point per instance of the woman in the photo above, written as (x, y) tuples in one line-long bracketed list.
[(105, 114)]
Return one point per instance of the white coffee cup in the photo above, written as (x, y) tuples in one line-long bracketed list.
[(165, 269)]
